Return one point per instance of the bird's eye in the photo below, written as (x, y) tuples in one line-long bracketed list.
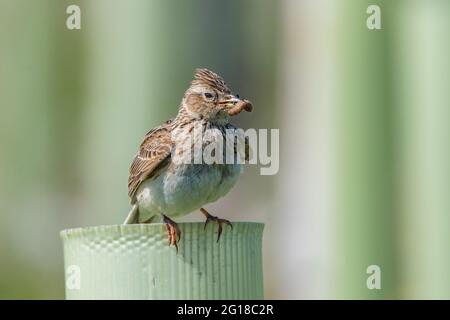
[(208, 95), (237, 96)]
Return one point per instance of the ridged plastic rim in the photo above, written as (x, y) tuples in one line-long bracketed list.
[(130, 228)]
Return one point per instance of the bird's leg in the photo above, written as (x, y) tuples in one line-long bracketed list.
[(219, 222), (173, 231)]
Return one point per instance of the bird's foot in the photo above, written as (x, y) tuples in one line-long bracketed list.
[(173, 231), (219, 222)]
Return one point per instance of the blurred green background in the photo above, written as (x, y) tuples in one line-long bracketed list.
[(363, 115)]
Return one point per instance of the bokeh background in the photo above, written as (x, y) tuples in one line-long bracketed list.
[(364, 127)]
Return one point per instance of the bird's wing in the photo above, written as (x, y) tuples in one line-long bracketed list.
[(247, 151), (153, 155)]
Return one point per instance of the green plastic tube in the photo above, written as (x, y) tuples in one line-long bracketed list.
[(136, 262)]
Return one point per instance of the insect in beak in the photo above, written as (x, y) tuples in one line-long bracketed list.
[(234, 105)]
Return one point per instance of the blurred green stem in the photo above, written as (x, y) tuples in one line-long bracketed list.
[(422, 68), (365, 207)]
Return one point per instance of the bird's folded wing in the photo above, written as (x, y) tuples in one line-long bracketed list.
[(153, 155)]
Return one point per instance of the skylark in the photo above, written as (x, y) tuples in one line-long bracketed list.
[(161, 187)]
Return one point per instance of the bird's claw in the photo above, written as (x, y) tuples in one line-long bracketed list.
[(218, 220)]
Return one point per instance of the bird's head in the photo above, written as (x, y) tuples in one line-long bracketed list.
[(209, 98)]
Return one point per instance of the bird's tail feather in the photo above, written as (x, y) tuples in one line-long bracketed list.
[(133, 215)]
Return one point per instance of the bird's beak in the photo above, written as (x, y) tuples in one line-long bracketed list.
[(229, 101), (234, 105)]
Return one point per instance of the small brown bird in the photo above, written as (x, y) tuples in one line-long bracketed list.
[(166, 182)]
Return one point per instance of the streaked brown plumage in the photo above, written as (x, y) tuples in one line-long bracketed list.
[(158, 185), (154, 153)]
